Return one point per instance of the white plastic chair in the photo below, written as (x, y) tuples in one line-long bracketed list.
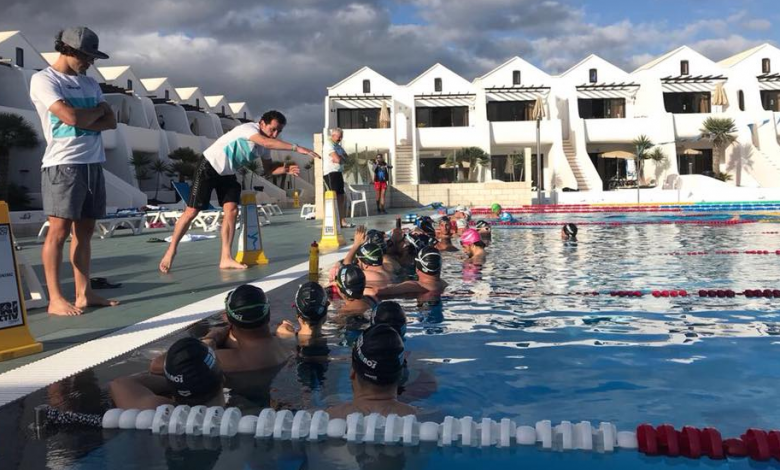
[(363, 200), (307, 211)]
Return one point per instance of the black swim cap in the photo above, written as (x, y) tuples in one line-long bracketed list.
[(378, 237), (351, 281), (370, 254), (418, 241), (389, 312), (378, 355), (425, 223), (311, 302), (192, 370), (570, 230), (482, 224), (247, 307), (428, 260)]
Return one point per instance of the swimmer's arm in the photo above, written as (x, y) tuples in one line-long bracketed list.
[(360, 237), (408, 287), (278, 144), (157, 364), (127, 392)]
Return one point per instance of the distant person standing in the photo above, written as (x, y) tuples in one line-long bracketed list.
[(332, 167), (381, 178), (73, 114)]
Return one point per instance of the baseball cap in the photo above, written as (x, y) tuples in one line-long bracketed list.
[(191, 368), (83, 40), (378, 355)]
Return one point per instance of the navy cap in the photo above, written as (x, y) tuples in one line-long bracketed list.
[(83, 40)]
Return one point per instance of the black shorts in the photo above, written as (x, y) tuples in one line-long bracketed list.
[(206, 180), (334, 181)]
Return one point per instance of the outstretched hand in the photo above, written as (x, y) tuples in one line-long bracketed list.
[(360, 235)]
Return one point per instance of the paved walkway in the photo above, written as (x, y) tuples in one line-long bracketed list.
[(146, 293)]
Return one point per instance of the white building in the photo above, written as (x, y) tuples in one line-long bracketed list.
[(592, 114)]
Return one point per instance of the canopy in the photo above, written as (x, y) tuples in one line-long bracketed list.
[(618, 154)]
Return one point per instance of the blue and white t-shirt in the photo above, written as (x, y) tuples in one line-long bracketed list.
[(234, 149), (66, 144)]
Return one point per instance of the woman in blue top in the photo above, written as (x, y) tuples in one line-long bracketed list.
[(381, 176)]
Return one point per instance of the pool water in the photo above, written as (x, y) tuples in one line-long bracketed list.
[(512, 338)]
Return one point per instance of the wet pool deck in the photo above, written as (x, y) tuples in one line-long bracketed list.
[(146, 293)]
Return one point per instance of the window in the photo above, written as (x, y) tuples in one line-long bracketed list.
[(455, 116), (129, 84), (167, 95), (223, 109), (437, 84), (687, 103), (741, 99), (19, 57), (770, 99), (684, 70), (197, 102), (244, 114), (358, 118), (516, 77), (602, 108), (593, 75), (510, 111), (766, 66), (366, 86)]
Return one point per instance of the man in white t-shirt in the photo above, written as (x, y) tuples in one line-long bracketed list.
[(73, 114), (332, 167), (217, 171)]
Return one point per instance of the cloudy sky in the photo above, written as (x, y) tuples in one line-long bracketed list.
[(284, 54)]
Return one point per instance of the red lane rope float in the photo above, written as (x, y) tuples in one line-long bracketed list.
[(672, 293), (520, 223), (694, 443), (722, 252)]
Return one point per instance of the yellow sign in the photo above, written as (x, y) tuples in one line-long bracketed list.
[(297, 199), (331, 225), (250, 242), (15, 337)]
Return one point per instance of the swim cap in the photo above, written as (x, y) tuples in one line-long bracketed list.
[(496, 207), (389, 312), (192, 370), (351, 281), (570, 230), (469, 237), (482, 224), (378, 237), (311, 302), (461, 223), (247, 307), (378, 355), (428, 260), (370, 254), (425, 224), (460, 208), (417, 241), (506, 217)]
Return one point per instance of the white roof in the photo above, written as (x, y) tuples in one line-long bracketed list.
[(436, 66), (358, 72), (662, 58), (152, 84), (513, 60), (214, 100), (737, 58), (591, 59), (7, 34), (187, 92), (111, 73), (49, 57), (236, 107)]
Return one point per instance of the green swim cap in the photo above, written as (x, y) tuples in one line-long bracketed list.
[(496, 207)]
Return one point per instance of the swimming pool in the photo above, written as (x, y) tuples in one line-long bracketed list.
[(514, 338)]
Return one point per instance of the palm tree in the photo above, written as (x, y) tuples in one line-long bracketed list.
[(159, 168), (15, 132), (474, 156), (140, 162), (722, 133), (185, 161), (642, 144)]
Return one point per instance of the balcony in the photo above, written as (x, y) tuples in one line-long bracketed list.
[(618, 131), (522, 132), (687, 126), (447, 137), (373, 139)]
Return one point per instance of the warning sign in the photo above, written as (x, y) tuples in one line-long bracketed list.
[(10, 303)]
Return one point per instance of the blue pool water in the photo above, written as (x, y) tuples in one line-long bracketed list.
[(512, 339)]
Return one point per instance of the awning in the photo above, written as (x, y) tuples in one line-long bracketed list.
[(769, 81), (691, 83), (607, 90), (444, 100), (522, 93), (360, 101)]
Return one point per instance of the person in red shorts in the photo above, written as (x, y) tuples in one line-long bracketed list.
[(381, 176)]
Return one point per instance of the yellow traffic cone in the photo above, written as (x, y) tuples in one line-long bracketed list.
[(250, 241), (331, 225)]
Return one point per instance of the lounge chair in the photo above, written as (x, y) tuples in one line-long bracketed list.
[(207, 219), (106, 226)]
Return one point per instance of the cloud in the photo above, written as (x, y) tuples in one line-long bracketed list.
[(757, 24)]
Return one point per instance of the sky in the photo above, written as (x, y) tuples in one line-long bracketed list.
[(284, 54)]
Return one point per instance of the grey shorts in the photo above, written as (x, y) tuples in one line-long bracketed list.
[(74, 192)]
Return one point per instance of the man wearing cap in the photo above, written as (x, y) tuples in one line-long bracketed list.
[(73, 114), (377, 366)]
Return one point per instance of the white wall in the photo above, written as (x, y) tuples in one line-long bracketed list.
[(32, 58)]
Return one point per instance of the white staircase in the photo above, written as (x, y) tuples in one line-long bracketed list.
[(404, 165), (579, 172)]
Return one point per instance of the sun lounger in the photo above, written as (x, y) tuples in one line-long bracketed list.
[(107, 226), (207, 219)]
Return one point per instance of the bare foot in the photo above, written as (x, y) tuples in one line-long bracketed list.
[(63, 308), (94, 300), (167, 261), (231, 264)]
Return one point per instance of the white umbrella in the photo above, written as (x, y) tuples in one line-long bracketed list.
[(384, 117), (538, 111), (719, 97)]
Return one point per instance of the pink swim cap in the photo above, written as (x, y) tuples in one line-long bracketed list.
[(469, 237)]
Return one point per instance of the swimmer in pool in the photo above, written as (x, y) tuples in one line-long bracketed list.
[(444, 235), (495, 209), (351, 287), (377, 367), (192, 376), (473, 246), (569, 233), (428, 264), (485, 231)]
